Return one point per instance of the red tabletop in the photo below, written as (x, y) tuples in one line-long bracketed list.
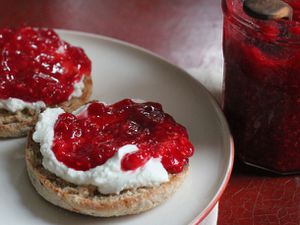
[(182, 31)]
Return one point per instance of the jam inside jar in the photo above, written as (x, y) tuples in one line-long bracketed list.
[(261, 96)]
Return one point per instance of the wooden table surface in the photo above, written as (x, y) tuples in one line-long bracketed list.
[(182, 31)]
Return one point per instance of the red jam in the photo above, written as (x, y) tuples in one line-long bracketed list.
[(36, 65), (88, 140), (262, 87)]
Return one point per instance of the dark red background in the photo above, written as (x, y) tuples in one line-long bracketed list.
[(181, 31)]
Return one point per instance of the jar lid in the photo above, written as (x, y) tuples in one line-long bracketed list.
[(268, 9)]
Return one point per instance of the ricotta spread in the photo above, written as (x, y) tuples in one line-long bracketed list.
[(108, 177)]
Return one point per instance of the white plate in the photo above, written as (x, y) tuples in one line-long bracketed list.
[(120, 71)]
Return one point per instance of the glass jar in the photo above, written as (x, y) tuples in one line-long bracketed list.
[(261, 96)]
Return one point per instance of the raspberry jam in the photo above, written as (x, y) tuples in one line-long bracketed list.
[(89, 139), (262, 87), (36, 65)]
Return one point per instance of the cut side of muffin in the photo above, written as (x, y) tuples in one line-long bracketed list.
[(87, 199), (18, 124)]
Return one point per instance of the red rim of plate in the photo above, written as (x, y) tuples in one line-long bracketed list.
[(198, 219), (222, 188)]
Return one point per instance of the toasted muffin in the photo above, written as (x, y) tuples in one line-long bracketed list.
[(87, 199), (39, 70), (108, 160)]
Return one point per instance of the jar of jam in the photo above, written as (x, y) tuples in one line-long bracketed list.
[(261, 96)]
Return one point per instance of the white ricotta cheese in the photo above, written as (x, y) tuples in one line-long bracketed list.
[(78, 88), (109, 177), (15, 104)]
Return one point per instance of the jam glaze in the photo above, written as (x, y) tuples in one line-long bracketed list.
[(36, 65), (92, 137)]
